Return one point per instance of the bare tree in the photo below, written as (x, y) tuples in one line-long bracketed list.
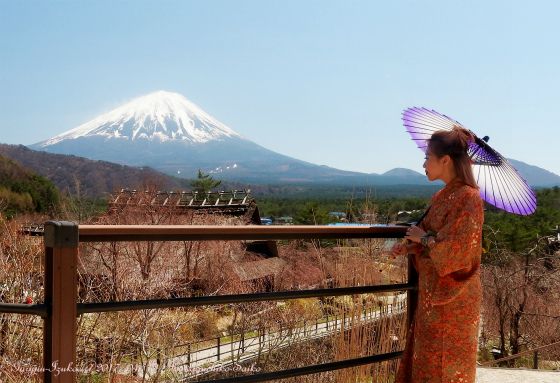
[(521, 309)]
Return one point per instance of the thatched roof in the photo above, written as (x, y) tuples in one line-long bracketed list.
[(258, 269)]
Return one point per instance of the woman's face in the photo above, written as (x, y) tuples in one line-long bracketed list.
[(434, 166)]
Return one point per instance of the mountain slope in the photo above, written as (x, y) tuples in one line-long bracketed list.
[(534, 175), (92, 178)]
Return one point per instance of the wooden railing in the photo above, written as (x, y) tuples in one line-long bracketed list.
[(60, 308), (533, 351)]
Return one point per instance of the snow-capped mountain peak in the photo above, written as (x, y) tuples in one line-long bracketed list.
[(162, 116)]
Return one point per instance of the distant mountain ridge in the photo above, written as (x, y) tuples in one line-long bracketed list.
[(402, 172), (101, 178), (534, 175)]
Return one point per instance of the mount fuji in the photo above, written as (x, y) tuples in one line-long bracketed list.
[(160, 116), (169, 133)]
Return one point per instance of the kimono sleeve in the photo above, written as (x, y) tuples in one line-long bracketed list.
[(458, 242)]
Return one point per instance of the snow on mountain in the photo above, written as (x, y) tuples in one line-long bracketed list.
[(162, 116)]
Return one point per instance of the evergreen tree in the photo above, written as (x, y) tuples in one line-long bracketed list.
[(519, 233), (204, 183), (312, 213)]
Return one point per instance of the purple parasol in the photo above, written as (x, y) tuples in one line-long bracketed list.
[(500, 184)]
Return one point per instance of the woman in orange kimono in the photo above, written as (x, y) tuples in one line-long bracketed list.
[(442, 340)]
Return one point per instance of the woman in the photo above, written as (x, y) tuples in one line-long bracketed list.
[(446, 248)]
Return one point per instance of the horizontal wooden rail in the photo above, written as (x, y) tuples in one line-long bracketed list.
[(110, 233)]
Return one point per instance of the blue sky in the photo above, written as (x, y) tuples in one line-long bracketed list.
[(322, 81)]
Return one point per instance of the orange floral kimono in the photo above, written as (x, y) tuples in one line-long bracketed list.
[(441, 345)]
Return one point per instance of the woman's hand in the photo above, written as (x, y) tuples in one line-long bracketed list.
[(414, 234), (399, 248), (403, 248)]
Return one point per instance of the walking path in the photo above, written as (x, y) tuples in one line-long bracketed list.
[(515, 375)]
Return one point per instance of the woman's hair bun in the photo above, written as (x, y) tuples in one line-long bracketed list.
[(454, 142), (462, 136)]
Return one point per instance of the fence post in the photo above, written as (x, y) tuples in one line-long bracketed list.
[(61, 290), (411, 295), (218, 348), (536, 360)]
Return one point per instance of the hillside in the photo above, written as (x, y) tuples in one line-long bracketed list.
[(21, 190), (535, 176), (88, 177)]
